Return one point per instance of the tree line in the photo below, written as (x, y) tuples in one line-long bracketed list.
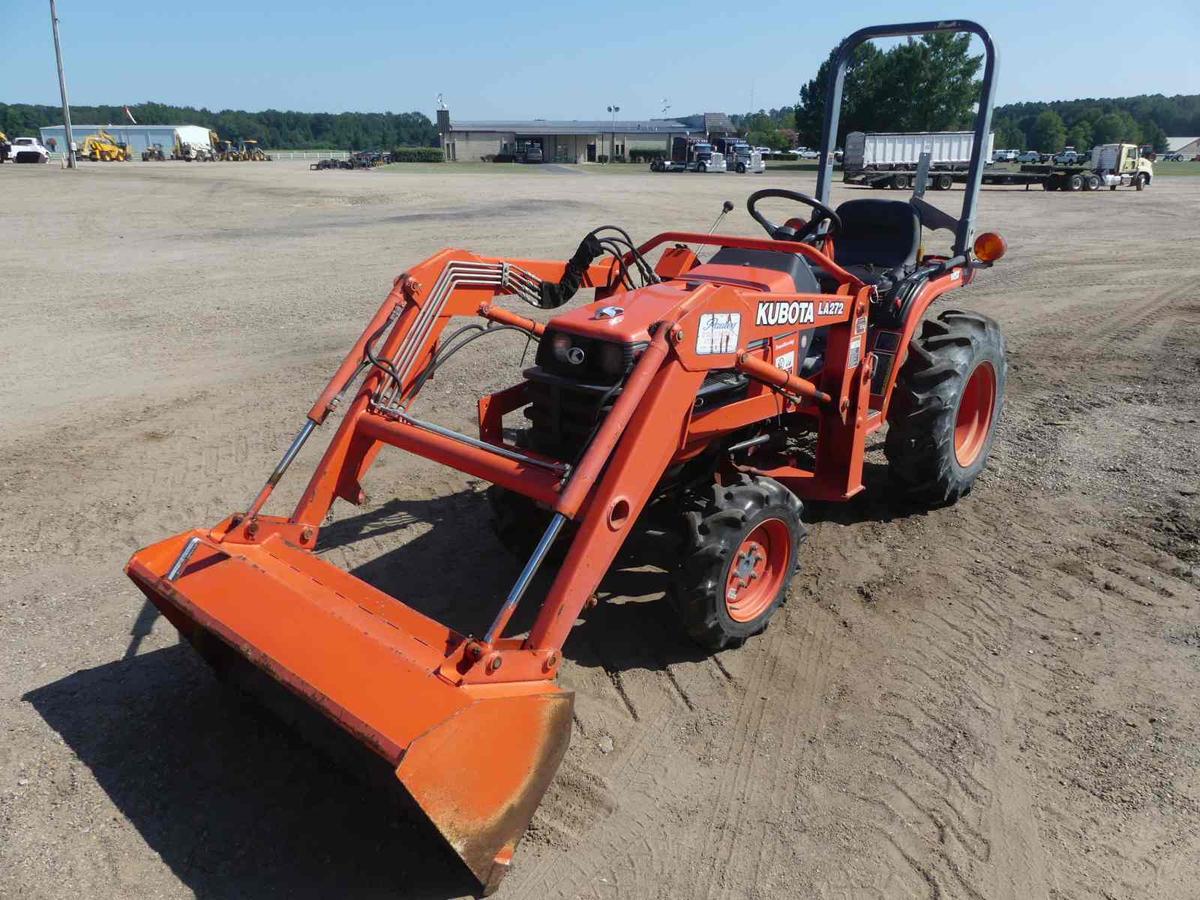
[(276, 129), (931, 84)]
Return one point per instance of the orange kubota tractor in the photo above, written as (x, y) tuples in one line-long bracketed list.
[(723, 392)]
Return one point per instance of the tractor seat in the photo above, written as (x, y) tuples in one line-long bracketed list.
[(878, 241)]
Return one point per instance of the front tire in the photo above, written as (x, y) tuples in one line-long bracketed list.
[(518, 522), (742, 544), (948, 399)]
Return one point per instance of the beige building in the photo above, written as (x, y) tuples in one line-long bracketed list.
[(572, 141), (1188, 146)]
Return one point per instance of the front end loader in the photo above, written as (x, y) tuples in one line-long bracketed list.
[(724, 393)]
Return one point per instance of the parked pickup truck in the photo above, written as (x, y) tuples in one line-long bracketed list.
[(29, 150)]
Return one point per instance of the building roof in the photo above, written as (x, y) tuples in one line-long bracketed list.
[(119, 126), (1175, 144), (578, 126)]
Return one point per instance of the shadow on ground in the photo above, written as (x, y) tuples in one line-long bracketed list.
[(237, 805), (232, 802)]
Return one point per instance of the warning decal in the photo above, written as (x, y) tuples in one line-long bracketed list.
[(718, 333)]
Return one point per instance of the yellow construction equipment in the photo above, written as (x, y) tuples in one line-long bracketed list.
[(251, 151), (103, 147), (226, 151)]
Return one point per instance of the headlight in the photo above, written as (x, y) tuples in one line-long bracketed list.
[(561, 345)]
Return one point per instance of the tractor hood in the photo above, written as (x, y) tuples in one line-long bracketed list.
[(625, 318)]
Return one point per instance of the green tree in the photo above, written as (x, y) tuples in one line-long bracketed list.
[(282, 130), (1115, 127), (927, 84), (1080, 135), (1008, 135), (1049, 133), (1155, 137), (862, 73)]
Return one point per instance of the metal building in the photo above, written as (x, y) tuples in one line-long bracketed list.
[(138, 137), (570, 141)]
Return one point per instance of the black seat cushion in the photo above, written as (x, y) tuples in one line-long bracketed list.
[(879, 238)]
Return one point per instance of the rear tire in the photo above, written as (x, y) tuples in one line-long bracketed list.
[(1075, 183), (943, 182), (742, 544), (948, 399)]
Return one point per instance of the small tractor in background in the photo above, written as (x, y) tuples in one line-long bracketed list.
[(103, 147), (154, 153), (225, 151), (250, 151), (717, 396)]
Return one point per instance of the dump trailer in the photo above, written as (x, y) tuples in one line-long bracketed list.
[(691, 155), (890, 159), (724, 393)]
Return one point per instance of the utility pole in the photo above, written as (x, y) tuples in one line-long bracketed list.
[(62, 87), (612, 142)]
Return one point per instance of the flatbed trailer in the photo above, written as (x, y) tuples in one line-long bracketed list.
[(1048, 176)]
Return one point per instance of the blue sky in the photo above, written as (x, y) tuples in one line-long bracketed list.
[(513, 58)]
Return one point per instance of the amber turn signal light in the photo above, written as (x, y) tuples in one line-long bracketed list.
[(989, 247)]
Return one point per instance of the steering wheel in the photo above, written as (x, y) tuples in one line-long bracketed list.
[(785, 232)]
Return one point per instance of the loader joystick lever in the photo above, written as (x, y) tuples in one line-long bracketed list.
[(784, 232)]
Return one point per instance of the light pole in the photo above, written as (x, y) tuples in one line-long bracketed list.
[(62, 87), (612, 141)]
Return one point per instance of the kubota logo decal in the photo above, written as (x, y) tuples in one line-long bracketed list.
[(784, 312)]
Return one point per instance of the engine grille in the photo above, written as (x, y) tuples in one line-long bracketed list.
[(563, 413)]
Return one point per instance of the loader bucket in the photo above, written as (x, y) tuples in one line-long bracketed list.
[(310, 638)]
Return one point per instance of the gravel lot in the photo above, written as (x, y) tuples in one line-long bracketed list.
[(996, 700)]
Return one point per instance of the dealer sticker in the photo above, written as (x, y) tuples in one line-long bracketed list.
[(718, 333)]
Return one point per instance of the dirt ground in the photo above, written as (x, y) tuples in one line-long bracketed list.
[(995, 700)]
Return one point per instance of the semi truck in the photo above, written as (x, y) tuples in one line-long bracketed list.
[(1110, 165), (740, 156), (691, 155), (889, 160)]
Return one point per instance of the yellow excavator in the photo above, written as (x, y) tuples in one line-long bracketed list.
[(103, 147)]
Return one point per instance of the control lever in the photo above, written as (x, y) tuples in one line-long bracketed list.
[(726, 209)]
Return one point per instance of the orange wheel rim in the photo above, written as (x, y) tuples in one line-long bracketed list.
[(976, 410), (758, 570)]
